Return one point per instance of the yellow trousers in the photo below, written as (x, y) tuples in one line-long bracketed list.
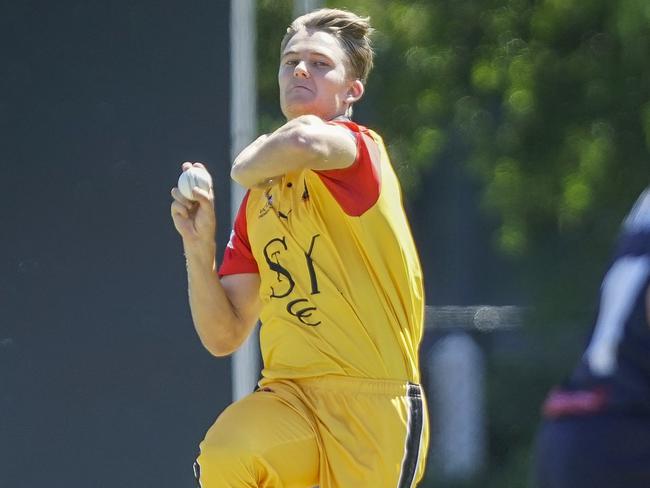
[(334, 432)]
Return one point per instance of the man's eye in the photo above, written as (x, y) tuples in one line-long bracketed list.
[(321, 64), (291, 62)]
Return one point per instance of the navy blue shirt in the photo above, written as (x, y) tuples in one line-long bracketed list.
[(614, 371)]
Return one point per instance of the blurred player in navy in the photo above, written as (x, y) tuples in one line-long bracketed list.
[(596, 427)]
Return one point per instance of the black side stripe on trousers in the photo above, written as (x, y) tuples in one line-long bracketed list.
[(413, 437), (197, 473)]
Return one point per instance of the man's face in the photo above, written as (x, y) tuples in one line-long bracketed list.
[(313, 76)]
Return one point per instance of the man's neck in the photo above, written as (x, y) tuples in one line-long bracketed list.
[(343, 118)]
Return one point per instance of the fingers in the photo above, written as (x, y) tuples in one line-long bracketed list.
[(188, 164), (178, 197), (202, 198), (200, 165), (180, 210), (194, 218), (205, 199), (187, 208)]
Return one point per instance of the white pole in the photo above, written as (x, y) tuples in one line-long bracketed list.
[(456, 392), (243, 121), (243, 126)]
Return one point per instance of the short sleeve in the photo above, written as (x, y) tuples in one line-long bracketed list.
[(357, 187), (238, 257)]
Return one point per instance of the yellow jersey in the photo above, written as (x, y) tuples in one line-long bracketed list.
[(340, 278)]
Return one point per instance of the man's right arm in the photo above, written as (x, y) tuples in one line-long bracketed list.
[(224, 310)]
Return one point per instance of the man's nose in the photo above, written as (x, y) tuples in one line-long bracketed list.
[(300, 71)]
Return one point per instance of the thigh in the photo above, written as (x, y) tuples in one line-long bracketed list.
[(371, 438), (268, 437)]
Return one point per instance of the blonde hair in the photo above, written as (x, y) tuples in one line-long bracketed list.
[(352, 31)]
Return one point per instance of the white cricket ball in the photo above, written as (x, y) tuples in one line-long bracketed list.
[(194, 176)]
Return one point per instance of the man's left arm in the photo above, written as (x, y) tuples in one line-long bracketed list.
[(304, 142)]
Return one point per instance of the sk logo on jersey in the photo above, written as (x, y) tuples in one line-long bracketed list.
[(301, 308), (267, 206)]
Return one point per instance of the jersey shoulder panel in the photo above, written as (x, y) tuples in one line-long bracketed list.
[(238, 256), (357, 187)]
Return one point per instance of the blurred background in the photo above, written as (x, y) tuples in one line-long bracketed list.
[(520, 130)]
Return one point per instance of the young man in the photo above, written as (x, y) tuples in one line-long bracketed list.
[(596, 430), (322, 254)]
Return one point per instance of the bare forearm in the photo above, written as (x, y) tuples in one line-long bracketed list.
[(214, 317), (269, 157), (304, 142)]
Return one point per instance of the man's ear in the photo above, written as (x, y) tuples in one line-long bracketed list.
[(355, 92)]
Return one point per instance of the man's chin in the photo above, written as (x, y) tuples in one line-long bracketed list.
[(296, 110)]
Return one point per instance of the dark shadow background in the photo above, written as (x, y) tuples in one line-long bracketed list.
[(103, 381)]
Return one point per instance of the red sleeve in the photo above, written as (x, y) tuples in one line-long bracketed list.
[(355, 188), (238, 257)]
